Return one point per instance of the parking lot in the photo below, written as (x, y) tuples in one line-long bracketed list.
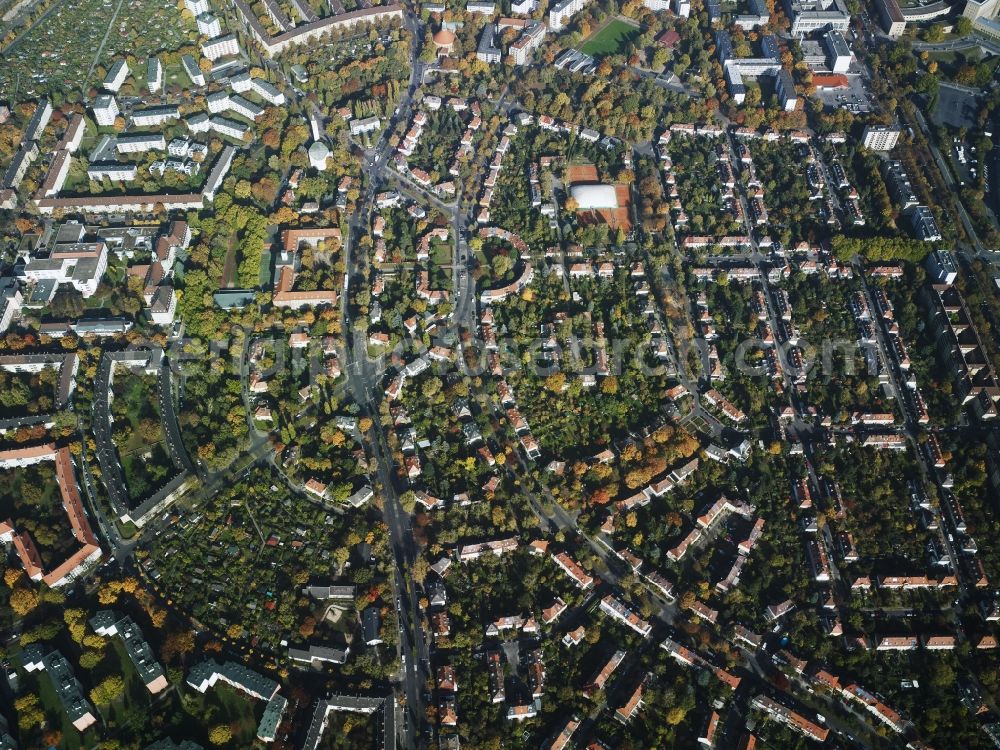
[(958, 107), (854, 98)]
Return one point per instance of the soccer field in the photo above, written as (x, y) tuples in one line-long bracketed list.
[(610, 40)]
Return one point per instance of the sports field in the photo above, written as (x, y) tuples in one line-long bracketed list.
[(611, 39)]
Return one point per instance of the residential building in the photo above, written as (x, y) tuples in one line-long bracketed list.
[(267, 728), (942, 267), (38, 122), (114, 171), (219, 171), (18, 167), (150, 116), (10, 303), (756, 16), (785, 89), (880, 138), (562, 740), (105, 110), (73, 135), (925, 226), (209, 25), (313, 28), (116, 76), (221, 46), (67, 688), (192, 69), (601, 677), (137, 144), (154, 75), (267, 91), (245, 107), (563, 11), (528, 42), (224, 126), (217, 101), (571, 568), (792, 718), (619, 611), (633, 703), (898, 183), (365, 125), (488, 50), (204, 676), (112, 204), (108, 624)]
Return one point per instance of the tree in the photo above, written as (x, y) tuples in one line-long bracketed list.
[(108, 690), (29, 713), (935, 33), (220, 734), (556, 382), (178, 645), (23, 600), (676, 715), (11, 576), (501, 265), (90, 659)]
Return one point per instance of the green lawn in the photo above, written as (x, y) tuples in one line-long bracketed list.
[(611, 39), (441, 253)]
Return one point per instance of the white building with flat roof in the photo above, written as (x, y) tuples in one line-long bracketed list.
[(190, 66), (105, 110), (154, 75), (879, 138), (116, 76), (209, 25), (154, 115), (221, 46), (563, 11), (114, 171), (217, 101), (365, 125), (137, 144), (225, 126), (267, 91)]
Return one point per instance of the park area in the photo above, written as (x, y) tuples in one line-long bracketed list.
[(610, 39), (138, 435)]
